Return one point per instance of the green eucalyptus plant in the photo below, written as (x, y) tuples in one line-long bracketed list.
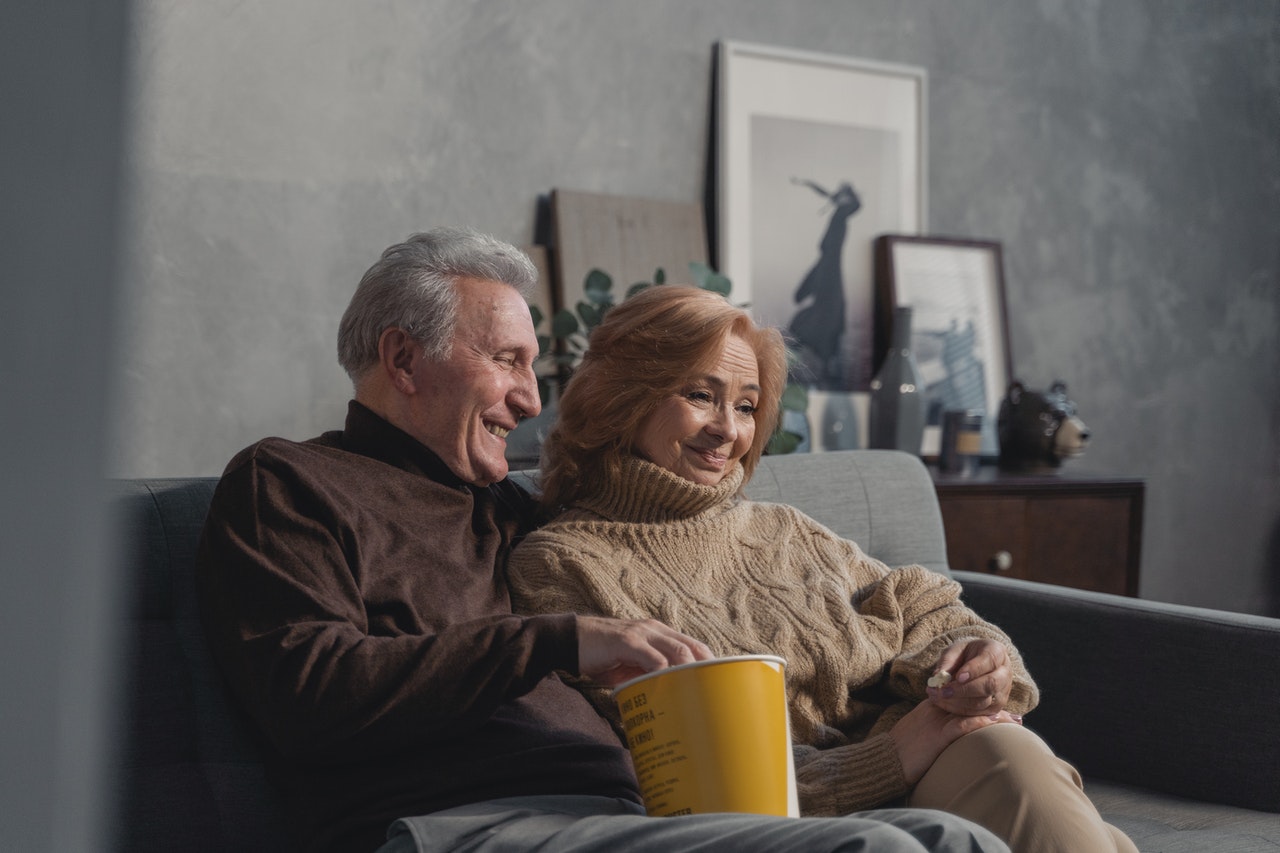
[(563, 345)]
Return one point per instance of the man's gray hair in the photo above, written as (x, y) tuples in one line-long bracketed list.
[(412, 286)]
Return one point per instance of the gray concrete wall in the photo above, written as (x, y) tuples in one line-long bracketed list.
[(1126, 154)]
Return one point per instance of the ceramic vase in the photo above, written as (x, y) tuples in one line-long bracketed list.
[(898, 406)]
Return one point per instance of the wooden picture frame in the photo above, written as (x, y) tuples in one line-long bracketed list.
[(816, 155), (628, 238), (959, 325)]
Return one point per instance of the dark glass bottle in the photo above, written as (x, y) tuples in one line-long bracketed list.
[(897, 413)]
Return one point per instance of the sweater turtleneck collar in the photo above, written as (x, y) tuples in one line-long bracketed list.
[(647, 493)]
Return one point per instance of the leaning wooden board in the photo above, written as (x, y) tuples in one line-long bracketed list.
[(628, 238)]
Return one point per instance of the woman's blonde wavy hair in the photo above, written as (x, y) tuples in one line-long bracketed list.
[(648, 348)]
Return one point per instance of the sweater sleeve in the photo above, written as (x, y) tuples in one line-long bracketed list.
[(289, 628), (933, 617), (848, 778)]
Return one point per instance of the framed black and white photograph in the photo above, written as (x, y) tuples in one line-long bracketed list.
[(816, 156), (959, 326)]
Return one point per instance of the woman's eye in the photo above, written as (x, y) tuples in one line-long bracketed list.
[(699, 396), (746, 409)]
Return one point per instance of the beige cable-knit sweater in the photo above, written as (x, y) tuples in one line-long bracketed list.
[(860, 639)]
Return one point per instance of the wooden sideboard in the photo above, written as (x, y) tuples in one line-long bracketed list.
[(1071, 529)]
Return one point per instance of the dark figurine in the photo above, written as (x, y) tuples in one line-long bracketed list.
[(1039, 429)]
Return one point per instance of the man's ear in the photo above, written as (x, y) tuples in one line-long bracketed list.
[(399, 356)]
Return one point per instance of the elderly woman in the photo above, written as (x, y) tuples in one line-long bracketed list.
[(659, 430)]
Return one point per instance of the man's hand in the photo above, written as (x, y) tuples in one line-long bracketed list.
[(611, 651), (980, 678)]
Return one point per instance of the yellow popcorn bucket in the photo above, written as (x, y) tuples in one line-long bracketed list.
[(712, 736)]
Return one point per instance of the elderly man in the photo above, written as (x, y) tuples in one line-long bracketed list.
[(352, 589)]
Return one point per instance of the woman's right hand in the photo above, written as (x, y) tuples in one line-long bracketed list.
[(927, 730)]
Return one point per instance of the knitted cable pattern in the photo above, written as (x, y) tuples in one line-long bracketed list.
[(746, 577)]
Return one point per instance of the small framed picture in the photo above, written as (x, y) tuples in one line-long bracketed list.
[(959, 327)]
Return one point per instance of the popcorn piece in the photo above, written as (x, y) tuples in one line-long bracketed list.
[(940, 679)]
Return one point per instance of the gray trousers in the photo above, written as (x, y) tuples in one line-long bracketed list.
[(603, 825)]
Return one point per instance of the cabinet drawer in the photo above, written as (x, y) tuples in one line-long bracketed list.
[(986, 535), (1076, 531), (1080, 541)]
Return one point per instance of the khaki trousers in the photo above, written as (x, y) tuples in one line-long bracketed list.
[(1006, 778)]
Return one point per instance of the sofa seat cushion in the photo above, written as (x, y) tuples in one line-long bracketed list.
[(1161, 823)]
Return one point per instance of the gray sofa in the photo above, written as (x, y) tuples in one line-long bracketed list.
[(1169, 712)]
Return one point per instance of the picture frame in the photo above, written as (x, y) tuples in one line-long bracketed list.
[(816, 155), (627, 237), (542, 296), (959, 325)]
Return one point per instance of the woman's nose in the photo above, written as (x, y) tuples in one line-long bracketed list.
[(722, 424)]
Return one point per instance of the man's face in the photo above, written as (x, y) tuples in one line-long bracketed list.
[(468, 403)]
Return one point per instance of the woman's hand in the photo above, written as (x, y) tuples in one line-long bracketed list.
[(927, 730), (980, 678)]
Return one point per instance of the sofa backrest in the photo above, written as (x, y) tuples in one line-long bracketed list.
[(192, 778), (882, 499)]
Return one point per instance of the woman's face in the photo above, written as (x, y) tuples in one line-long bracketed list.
[(701, 431)]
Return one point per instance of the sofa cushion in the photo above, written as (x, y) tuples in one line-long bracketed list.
[(1168, 824)]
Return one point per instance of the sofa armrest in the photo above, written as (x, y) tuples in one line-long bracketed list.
[(1177, 699)]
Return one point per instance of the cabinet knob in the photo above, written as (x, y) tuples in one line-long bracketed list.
[(1001, 561)]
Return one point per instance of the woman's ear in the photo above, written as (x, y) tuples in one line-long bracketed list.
[(398, 356)]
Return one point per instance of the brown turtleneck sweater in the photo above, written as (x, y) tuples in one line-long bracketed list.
[(860, 639), (351, 588)]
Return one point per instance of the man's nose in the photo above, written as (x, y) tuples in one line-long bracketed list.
[(525, 396)]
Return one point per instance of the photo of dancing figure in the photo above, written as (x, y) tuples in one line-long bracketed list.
[(818, 326)]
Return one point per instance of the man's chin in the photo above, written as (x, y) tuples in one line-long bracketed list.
[(489, 471)]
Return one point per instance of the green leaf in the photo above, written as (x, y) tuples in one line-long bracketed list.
[(597, 287), (659, 276), (708, 279), (544, 345), (637, 287), (535, 313), (563, 324), (590, 314), (718, 283), (795, 398), (783, 441), (699, 271)]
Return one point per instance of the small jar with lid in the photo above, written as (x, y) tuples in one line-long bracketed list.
[(961, 450)]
